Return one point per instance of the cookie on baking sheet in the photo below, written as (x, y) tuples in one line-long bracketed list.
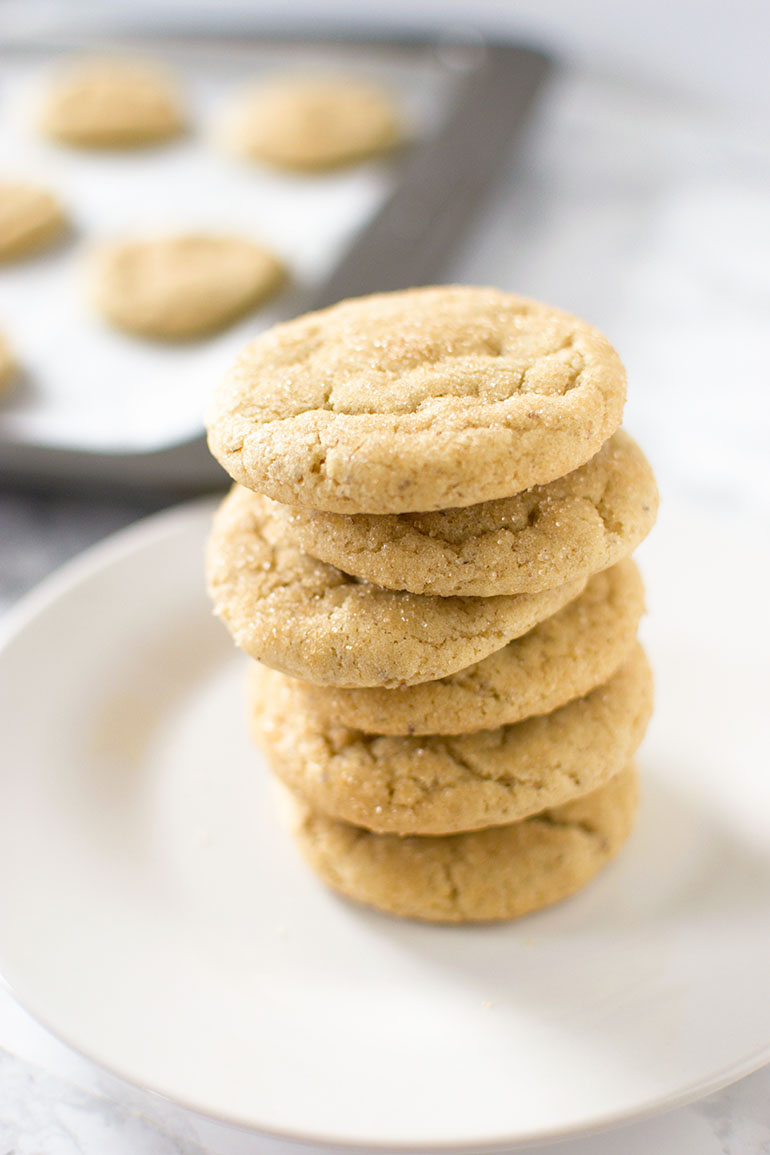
[(313, 621), (31, 219), (308, 124), (112, 104), (181, 287), (570, 528), (8, 366), (418, 400), (563, 657), (442, 784), (498, 873)]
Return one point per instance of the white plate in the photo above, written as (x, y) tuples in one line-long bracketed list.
[(155, 915)]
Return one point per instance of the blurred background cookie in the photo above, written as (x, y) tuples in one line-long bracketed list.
[(313, 123), (181, 287), (31, 219), (112, 104), (8, 367)]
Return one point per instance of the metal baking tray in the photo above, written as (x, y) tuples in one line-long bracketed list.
[(95, 406)]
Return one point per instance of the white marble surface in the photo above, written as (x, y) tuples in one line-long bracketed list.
[(650, 218)]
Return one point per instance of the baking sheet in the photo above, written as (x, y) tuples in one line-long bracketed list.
[(641, 210), (86, 386)]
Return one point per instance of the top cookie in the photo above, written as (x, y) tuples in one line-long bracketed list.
[(313, 123), (418, 400), (112, 104)]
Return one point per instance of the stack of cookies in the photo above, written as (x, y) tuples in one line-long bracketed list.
[(427, 552)]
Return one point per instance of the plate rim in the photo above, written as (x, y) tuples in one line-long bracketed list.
[(134, 537), (142, 535)]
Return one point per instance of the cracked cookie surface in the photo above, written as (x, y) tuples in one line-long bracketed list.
[(31, 219), (175, 288), (425, 399), (312, 621), (442, 784), (563, 657), (498, 873), (570, 528)]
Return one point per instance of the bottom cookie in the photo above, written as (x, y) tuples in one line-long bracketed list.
[(497, 873)]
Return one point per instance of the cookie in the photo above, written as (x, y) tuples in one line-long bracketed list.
[(311, 620), (182, 287), (498, 873), (309, 124), (418, 400), (441, 784), (562, 658), (31, 219), (543, 537), (8, 366), (112, 104)]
